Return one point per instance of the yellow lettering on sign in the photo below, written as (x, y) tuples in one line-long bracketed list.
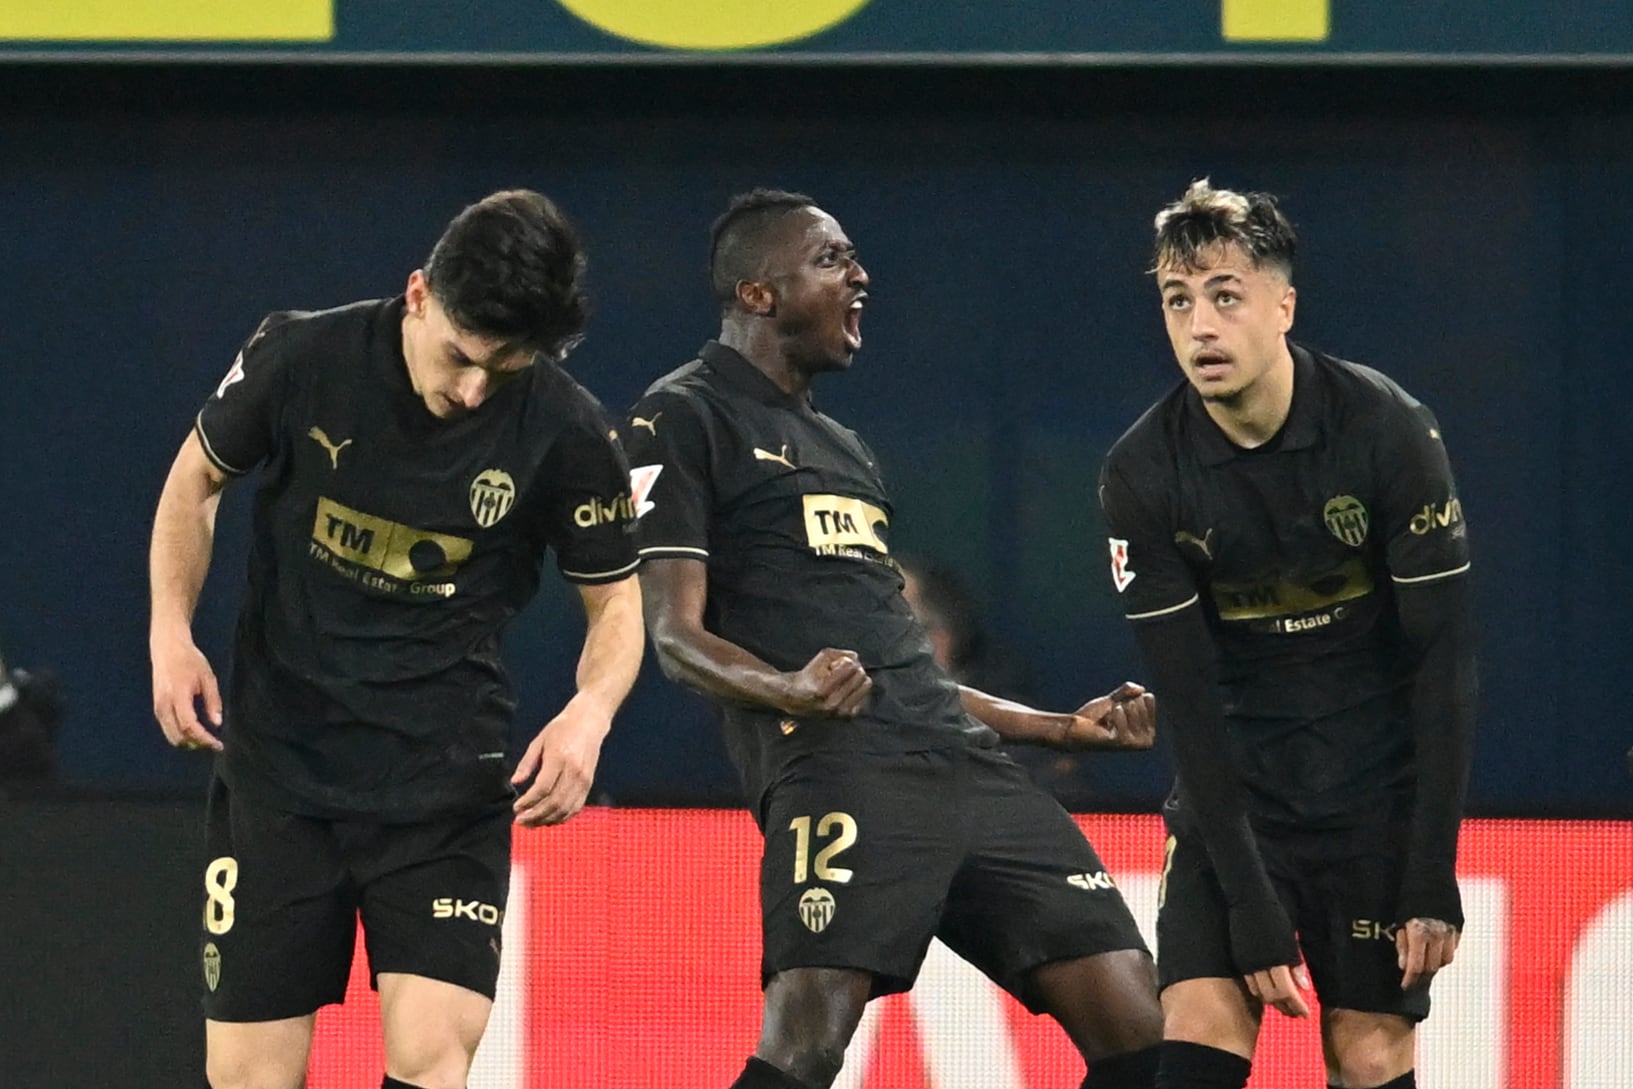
[(1276, 20), (167, 20), (713, 24)]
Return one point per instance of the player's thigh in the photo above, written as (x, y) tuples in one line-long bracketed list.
[(1031, 890), (258, 1054), (431, 1028), (1347, 923), (1216, 1011), (1366, 1049), (810, 1016), (1106, 1003), (432, 896), (859, 850), (278, 915)]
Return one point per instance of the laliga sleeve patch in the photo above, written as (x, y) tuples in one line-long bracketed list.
[(641, 479), (1121, 573), (235, 374)]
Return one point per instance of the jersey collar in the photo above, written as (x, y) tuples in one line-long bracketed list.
[(1303, 426), (746, 378)]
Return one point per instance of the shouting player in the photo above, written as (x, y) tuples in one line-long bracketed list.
[(889, 815)]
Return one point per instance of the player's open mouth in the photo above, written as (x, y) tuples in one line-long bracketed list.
[(853, 322), (1211, 365)]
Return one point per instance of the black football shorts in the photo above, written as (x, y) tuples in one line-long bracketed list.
[(283, 894), (867, 857), (1338, 888)]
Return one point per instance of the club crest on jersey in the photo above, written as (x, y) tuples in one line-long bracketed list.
[(816, 909), (1121, 573), (492, 495), (1346, 519)]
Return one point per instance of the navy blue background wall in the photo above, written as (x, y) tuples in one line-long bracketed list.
[(1473, 250)]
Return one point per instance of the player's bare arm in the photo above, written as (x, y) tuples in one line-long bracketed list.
[(561, 760), (183, 538), (1123, 719), (833, 683)]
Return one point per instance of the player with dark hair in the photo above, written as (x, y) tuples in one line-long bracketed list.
[(889, 815), (1288, 541), (419, 455)]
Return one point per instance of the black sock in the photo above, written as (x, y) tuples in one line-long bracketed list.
[(1408, 1080), (1186, 1065), (1130, 1070), (389, 1082), (759, 1074)]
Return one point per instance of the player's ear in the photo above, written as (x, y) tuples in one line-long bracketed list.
[(1289, 303), (417, 292), (757, 297)]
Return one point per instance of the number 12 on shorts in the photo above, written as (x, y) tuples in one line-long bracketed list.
[(842, 826)]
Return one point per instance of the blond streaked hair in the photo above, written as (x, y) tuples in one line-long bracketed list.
[(1191, 230)]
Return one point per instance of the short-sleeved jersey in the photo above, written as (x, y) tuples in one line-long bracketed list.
[(1293, 552), (390, 549), (788, 510)]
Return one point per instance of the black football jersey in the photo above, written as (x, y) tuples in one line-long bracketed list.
[(788, 510), (1293, 550), (390, 549)]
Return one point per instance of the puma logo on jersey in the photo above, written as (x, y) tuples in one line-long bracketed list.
[(330, 445), (1204, 542), (651, 425), (780, 459)]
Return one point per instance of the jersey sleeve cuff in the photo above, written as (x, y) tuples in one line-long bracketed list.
[(590, 578), (209, 451), (1408, 580), (660, 552), (1153, 614)]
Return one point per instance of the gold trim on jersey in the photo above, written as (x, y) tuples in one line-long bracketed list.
[(628, 568), (1408, 580), (680, 550), (1187, 603), (1284, 597), (209, 450)]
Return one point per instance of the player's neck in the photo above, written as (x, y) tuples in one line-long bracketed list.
[(1252, 417), (410, 352), (758, 343)]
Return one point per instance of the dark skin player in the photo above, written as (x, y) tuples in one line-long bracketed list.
[(802, 318)]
